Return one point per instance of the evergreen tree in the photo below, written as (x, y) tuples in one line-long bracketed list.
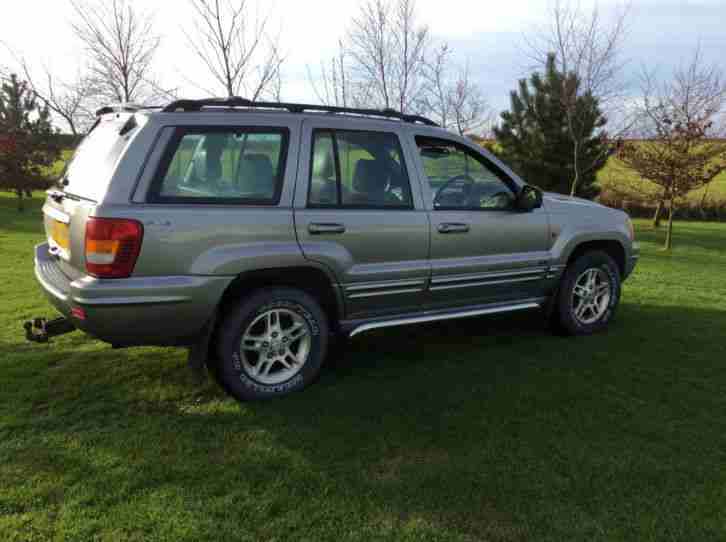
[(28, 142), (534, 138)]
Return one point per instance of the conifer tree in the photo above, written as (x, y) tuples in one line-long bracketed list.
[(28, 142), (534, 138)]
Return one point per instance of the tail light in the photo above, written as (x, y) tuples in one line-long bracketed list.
[(112, 246)]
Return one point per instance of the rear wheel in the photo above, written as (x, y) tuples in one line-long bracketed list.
[(271, 344), (588, 295)]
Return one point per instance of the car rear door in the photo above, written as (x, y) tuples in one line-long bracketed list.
[(359, 211), (482, 249)]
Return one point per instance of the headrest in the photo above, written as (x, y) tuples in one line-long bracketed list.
[(256, 174), (369, 177)]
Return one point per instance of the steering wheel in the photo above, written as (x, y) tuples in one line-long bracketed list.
[(464, 177), (498, 200)]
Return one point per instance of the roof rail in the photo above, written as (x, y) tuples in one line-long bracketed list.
[(126, 107), (236, 101)]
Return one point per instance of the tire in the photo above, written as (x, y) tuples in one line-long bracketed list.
[(265, 367), (576, 288)]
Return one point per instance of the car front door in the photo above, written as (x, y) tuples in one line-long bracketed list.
[(483, 250), (358, 213)]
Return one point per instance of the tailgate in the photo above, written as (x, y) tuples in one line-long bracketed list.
[(85, 183)]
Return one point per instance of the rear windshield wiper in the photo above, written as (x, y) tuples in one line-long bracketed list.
[(56, 195)]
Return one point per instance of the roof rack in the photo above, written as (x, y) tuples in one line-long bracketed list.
[(237, 102)]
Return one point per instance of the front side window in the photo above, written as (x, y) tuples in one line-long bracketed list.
[(358, 169), (459, 179), (237, 166)]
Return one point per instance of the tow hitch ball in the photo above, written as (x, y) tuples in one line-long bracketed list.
[(39, 330)]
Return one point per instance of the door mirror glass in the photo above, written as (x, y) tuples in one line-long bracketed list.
[(529, 199)]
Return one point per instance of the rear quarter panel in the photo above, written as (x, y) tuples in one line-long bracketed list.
[(204, 239)]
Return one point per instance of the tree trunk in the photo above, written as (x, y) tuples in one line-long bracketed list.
[(669, 233), (576, 156), (21, 203), (658, 212), (702, 203)]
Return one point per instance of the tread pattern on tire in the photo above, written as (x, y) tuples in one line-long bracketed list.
[(563, 320), (228, 370)]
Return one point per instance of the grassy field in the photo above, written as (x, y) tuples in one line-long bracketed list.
[(484, 429), (616, 174)]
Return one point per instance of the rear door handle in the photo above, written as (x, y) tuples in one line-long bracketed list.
[(317, 228), (453, 227)]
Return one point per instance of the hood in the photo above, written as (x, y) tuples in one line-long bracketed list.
[(554, 197)]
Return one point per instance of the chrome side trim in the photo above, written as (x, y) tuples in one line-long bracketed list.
[(437, 317), (375, 285), (483, 283), (55, 214), (386, 292), (494, 274)]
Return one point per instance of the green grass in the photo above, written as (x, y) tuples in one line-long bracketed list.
[(484, 429)]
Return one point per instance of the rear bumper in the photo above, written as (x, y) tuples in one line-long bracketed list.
[(133, 311)]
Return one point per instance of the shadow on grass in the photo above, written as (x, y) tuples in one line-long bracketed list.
[(485, 428)]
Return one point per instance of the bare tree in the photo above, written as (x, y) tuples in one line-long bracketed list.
[(333, 85), (451, 97), (683, 122), (470, 110), (589, 46), (121, 44), (235, 48), (68, 100), (388, 50), (437, 91)]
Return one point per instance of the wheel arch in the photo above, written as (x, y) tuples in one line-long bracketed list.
[(612, 247), (310, 279)]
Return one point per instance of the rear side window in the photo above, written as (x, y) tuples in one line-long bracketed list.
[(358, 170), (223, 166)]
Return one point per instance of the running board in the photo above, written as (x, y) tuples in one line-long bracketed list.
[(437, 317)]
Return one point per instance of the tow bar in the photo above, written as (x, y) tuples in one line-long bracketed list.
[(39, 330)]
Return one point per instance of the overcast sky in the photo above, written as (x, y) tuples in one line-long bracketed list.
[(487, 33)]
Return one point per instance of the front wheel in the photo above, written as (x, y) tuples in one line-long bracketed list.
[(588, 295), (271, 344)]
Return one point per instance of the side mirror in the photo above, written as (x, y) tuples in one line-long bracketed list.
[(528, 199)]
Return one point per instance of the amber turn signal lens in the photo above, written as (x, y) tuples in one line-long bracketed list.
[(112, 246)]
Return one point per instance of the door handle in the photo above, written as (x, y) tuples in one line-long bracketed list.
[(316, 228), (453, 227)]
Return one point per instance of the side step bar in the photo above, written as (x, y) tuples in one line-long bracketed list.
[(39, 330), (441, 316)]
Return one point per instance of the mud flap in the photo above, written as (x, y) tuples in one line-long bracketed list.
[(199, 351)]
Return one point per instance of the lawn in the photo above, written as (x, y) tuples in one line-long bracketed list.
[(484, 429)]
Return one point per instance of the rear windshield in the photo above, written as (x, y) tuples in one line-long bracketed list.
[(91, 168)]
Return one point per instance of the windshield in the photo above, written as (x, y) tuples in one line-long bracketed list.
[(91, 168)]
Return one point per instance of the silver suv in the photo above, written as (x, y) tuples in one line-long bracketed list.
[(253, 233)]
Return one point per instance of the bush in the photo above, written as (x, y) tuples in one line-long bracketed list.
[(714, 211)]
